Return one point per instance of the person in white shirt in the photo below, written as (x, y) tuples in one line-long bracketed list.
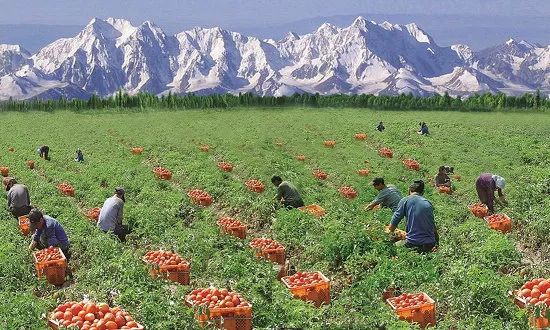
[(111, 215)]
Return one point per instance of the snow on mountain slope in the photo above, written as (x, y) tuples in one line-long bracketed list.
[(365, 57)]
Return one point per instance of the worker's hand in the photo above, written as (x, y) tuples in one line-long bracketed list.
[(32, 245), (502, 200), (434, 249)]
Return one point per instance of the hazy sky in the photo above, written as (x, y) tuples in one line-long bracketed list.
[(247, 13)]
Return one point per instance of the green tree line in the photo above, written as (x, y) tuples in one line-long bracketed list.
[(475, 102)]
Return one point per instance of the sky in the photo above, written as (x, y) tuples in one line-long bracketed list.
[(248, 16)]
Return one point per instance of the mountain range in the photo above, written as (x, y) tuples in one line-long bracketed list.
[(365, 57)]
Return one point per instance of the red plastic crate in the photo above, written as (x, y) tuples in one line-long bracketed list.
[(137, 150), (53, 270), (361, 136), (318, 293), (481, 212), (4, 170), (424, 315), (314, 210), (234, 318), (24, 225), (236, 228), (504, 225)]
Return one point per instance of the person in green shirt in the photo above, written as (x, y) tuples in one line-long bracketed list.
[(287, 194), (388, 196)]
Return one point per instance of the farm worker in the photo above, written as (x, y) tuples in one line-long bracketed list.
[(43, 152), (79, 156), (110, 216), (423, 129), (442, 178), (287, 193), (18, 197), (388, 196), (421, 232), (380, 127), (486, 184), (47, 232)]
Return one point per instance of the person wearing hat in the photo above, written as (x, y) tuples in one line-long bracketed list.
[(19, 202), (421, 234), (111, 215), (287, 193), (486, 184), (388, 196), (47, 232)]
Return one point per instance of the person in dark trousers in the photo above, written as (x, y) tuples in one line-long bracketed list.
[(388, 196), (422, 234), (380, 127), (423, 129), (486, 184), (442, 178), (47, 232), (79, 156), (19, 202), (111, 215), (287, 194), (43, 151)]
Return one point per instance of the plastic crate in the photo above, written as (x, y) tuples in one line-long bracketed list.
[(225, 166), (277, 256), (162, 173), (53, 270), (445, 190), (424, 315), (314, 210), (363, 172), (235, 318), (318, 174), (137, 150), (385, 152), (237, 231), (65, 189), (30, 164), (24, 225), (329, 143), (301, 158), (255, 186), (411, 164), (481, 213), (318, 293), (93, 213), (4, 170), (173, 273), (504, 225), (536, 322), (200, 197), (205, 148), (360, 136)]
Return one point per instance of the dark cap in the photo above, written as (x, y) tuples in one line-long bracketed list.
[(119, 190), (377, 181), (35, 215)]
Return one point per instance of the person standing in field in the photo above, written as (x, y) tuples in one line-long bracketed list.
[(388, 196), (287, 194), (43, 151), (442, 178), (380, 127), (19, 201), (111, 215), (421, 234), (486, 184), (47, 232)]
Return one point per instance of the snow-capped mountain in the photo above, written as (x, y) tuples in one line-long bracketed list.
[(365, 57)]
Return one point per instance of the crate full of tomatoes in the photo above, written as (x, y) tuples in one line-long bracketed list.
[(363, 172), (199, 197), (301, 158), (88, 315), (221, 308), (225, 166), (205, 148), (479, 210), (232, 227), (309, 286), (5, 171), (162, 173), (360, 136), (329, 143), (269, 249), (93, 213), (24, 225), (318, 174), (535, 296), (500, 222), (385, 152), (347, 192), (51, 263), (168, 264), (411, 164), (445, 190), (137, 150), (255, 186), (313, 209), (416, 308), (65, 189)]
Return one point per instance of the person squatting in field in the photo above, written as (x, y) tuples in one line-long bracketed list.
[(287, 194), (111, 215), (380, 127), (486, 184), (421, 231), (19, 201), (442, 178), (388, 196), (79, 157), (47, 232), (423, 129)]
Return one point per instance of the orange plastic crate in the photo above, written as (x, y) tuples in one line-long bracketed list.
[(55, 325), (53, 270), (541, 323), (24, 225), (237, 229), (234, 318), (318, 293), (411, 164), (200, 197), (175, 273), (30, 164), (320, 175), (65, 189), (504, 225), (424, 315), (225, 166), (360, 136), (314, 210), (363, 172), (445, 190), (329, 143), (255, 186), (93, 213), (479, 212), (535, 321), (205, 148), (277, 256), (347, 192), (162, 173), (301, 158), (385, 152)]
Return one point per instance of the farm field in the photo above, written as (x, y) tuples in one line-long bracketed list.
[(469, 277)]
